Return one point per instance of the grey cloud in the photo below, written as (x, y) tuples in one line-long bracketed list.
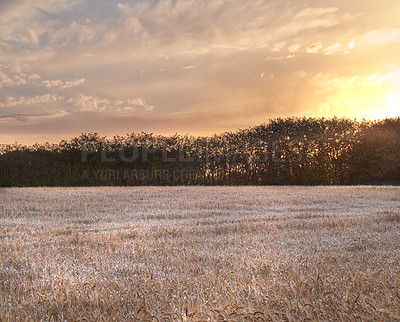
[(11, 9), (30, 36), (74, 34), (18, 15), (40, 99), (24, 117)]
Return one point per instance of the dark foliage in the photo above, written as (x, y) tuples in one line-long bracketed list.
[(292, 151)]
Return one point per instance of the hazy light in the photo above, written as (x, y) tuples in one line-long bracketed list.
[(392, 108)]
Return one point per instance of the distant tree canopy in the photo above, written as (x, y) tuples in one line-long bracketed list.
[(292, 151)]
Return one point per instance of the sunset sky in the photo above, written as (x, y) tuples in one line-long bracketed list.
[(192, 66)]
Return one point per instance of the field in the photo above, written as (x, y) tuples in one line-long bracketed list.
[(200, 253)]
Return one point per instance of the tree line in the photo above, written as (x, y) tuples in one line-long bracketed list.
[(291, 151)]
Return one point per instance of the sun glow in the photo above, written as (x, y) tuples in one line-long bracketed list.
[(370, 97), (382, 106), (392, 108)]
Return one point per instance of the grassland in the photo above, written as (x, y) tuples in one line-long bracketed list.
[(198, 253)]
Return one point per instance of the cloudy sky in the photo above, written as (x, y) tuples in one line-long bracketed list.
[(192, 66)]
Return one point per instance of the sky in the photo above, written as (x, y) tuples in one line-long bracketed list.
[(194, 67)]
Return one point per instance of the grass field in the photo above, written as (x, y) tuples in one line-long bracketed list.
[(198, 253)]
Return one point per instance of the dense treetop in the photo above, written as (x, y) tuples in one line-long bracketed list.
[(291, 151)]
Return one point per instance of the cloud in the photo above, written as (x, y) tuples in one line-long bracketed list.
[(277, 47), (87, 55), (142, 30), (73, 83), (74, 34), (86, 103), (334, 49), (314, 12), (134, 26), (5, 80), (314, 48), (293, 48), (381, 36), (34, 76), (11, 76), (26, 8), (39, 99), (212, 54), (63, 85), (18, 16), (24, 117), (89, 103), (30, 36), (265, 77), (352, 44), (14, 75), (53, 83)]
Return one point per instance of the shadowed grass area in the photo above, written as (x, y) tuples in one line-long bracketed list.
[(198, 253)]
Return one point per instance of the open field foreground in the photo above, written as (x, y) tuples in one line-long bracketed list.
[(200, 253)]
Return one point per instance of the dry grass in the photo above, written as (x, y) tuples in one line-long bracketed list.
[(198, 253)]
